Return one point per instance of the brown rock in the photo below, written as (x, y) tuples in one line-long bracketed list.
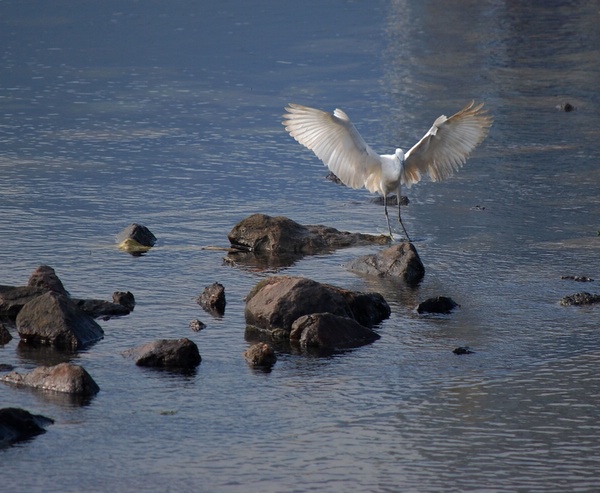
[(64, 377), (5, 335), (124, 298), (46, 279), (439, 304), (212, 299), (171, 353), (260, 354), (580, 299)]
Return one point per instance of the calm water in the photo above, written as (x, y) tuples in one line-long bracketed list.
[(168, 114)]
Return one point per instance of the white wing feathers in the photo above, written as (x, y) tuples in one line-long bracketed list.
[(335, 140), (447, 145)]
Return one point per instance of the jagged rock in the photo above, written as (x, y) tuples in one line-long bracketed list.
[(262, 233), (124, 298), (5, 335), (212, 299), (64, 377), (577, 278), (439, 304), (136, 239), (18, 424), (171, 353), (261, 355), (54, 319), (580, 299), (328, 331), (44, 277), (197, 325), (275, 303), (398, 261), (13, 298)]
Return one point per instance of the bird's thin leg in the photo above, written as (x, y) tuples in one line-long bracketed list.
[(387, 218), (400, 217)]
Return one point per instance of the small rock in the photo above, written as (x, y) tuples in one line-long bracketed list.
[(463, 350), (13, 298), (136, 239), (439, 304), (392, 200), (197, 325), (46, 279), (124, 298), (64, 377), (578, 299), (5, 367), (101, 308), (167, 353), (260, 354), (5, 336), (18, 424), (577, 278), (566, 107), (212, 299), (399, 261)]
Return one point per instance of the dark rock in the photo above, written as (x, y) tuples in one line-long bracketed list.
[(439, 304), (124, 298), (331, 176), (17, 425), (399, 261), (46, 279), (577, 278), (163, 353), (197, 325), (101, 308), (5, 367), (276, 302), (566, 107), (13, 298), (578, 299), (212, 299), (463, 350), (328, 331), (54, 319), (260, 354), (136, 239), (262, 233), (64, 377), (5, 335)]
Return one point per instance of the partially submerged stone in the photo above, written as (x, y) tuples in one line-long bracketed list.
[(399, 261), (578, 299), (328, 331), (136, 239), (64, 377), (167, 353), (197, 325), (56, 320), (18, 424), (212, 299), (5, 335), (124, 298), (262, 233), (13, 298), (439, 304), (260, 355), (101, 309)]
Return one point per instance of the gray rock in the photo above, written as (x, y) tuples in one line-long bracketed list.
[(136, 239), (275, 303), (578, 299), (64, 377), (328, 331), (54, 319), (18, 424), (439, 304), (212, 299), (399, 261), (171, 353), (262, 233)]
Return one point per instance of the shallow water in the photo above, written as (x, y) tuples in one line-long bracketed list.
[(169, 116)]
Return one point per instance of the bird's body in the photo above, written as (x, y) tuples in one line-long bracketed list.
[(335, 140)]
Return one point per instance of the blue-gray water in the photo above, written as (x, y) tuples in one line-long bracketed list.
[(168, 114)]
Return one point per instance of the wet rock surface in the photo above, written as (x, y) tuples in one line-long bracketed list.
[(64, 377), (262, 233), (18, 424), (136, 239), (5, 335), (398, 261), (167, 353), (212, 299), (44, 278), (13, 298), (579, 299), (439, 304), (260, 355)]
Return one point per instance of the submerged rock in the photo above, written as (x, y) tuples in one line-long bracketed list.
[(136, 239), (398, 261), (328, 331), (439, 304), (262, 233), (577, 278), (101, 308), (124, 298), (64, 377), (55, 319), (18, 424), (5, 335), (260, 355), (578, 299), (197, 325), (274, 305), (212, 299), (167, 353)]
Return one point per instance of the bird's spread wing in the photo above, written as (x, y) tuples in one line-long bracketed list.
[(447, 145), (335, 140)]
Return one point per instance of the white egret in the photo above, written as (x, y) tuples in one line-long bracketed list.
[(335, 140)]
